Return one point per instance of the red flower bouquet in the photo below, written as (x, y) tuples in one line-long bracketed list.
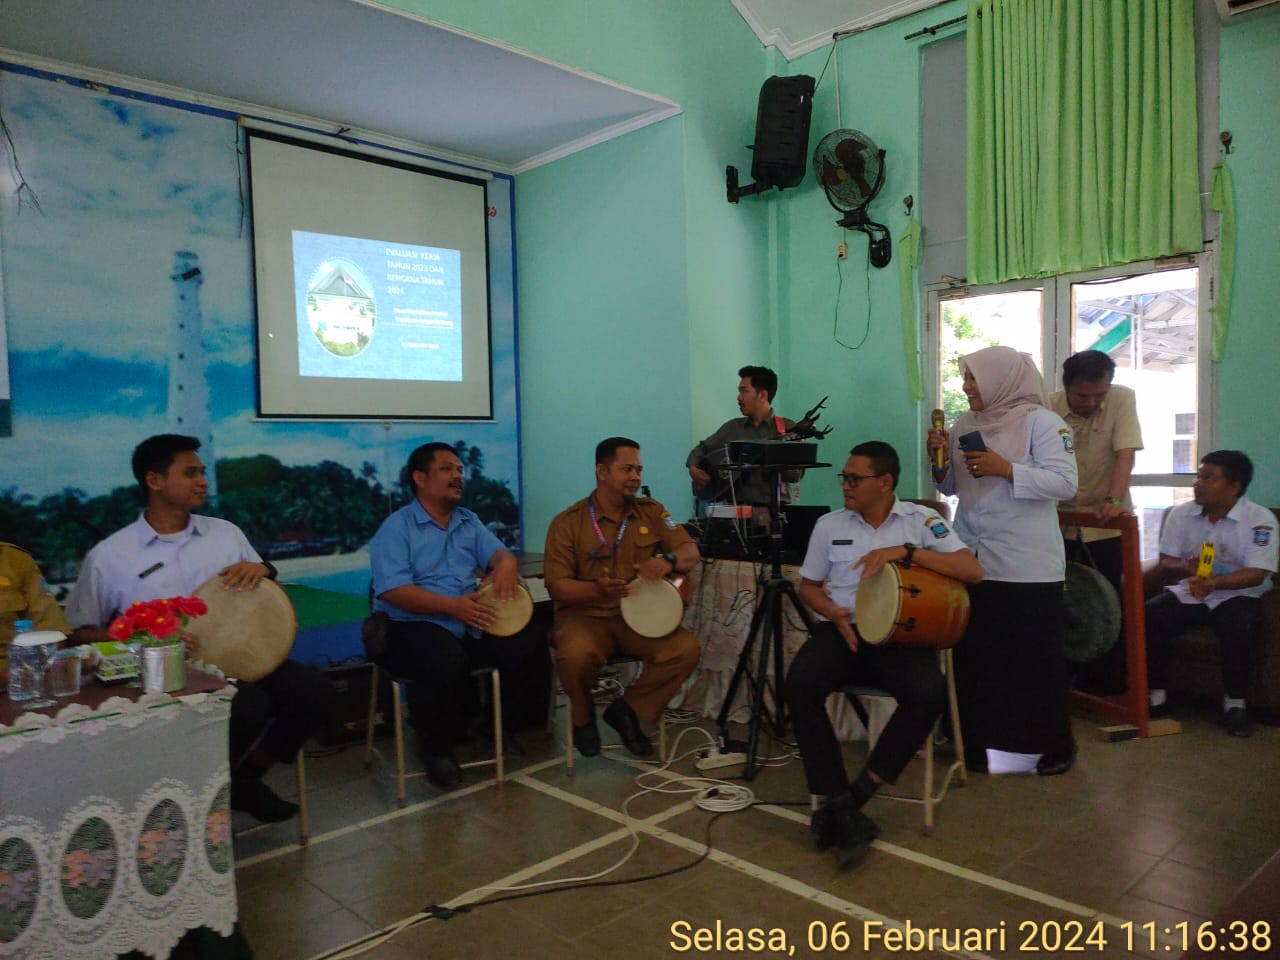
[(151, 623)]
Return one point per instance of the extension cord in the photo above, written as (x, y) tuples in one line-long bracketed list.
[(713, 761)]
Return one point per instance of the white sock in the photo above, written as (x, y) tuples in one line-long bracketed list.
[(1230, 703), (1157, 698)]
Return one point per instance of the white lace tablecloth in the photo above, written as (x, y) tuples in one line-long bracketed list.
[(115, 827), (722, 601)]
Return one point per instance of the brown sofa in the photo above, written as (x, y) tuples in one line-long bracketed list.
[(1194, 670)]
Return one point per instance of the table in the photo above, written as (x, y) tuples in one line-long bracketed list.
[(115, 821), (722, 600)]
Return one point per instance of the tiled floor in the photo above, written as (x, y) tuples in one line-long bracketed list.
[(1162, 830)]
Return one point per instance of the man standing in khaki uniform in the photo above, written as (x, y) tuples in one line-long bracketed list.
[(1103, 418), (594, 550), (23, 597)]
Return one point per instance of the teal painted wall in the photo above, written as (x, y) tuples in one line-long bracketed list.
[(641, 291), (879, 81), (604, 342), (1248, 399), (760, 278)]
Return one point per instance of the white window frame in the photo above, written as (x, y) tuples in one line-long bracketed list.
[(1055, 346)]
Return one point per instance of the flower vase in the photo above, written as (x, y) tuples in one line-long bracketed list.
[(164, 668)]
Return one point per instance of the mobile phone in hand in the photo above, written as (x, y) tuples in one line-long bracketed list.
[(972, 442)]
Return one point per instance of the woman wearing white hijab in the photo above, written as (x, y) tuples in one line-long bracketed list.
[(1010, 673)]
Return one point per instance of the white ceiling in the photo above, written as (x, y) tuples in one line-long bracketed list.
[(796, 27), (349, 63), (375, 72)]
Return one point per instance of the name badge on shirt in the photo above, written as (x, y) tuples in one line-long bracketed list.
[(842, 543)]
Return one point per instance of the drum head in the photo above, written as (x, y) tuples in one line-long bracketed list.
[(1092, 613), (246, 633), (509, 616), (877, 605), (653, 608)]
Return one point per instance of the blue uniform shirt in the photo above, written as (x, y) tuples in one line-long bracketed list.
[(411, 548)]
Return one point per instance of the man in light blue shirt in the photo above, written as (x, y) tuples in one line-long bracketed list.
[(425, 558)]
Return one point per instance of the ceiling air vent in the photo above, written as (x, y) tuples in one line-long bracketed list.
[(1231, 8)]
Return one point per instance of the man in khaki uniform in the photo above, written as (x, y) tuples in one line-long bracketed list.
[(23, 597), (1103, 418), (594, 550)]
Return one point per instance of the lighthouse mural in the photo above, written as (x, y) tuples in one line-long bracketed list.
[(188, 388)]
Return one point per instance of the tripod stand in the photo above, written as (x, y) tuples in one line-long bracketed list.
[(764, 638)]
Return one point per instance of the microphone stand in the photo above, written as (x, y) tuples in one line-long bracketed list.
[(767, 631)]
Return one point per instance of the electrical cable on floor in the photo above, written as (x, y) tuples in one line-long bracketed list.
[(715, 796)]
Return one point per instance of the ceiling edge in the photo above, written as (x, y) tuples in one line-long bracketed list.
[(510, 48), (423, 153), (600, 136), (769, 38), (792, 49)]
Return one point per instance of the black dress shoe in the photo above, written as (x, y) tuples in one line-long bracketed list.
[(975, 760), (260, 801), (1053, 764), (1237, 722), (442, 770), (587, 739), (622, 718), (823, 827), (853, 829)]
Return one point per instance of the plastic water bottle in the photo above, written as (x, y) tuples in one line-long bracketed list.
[(21, 675)]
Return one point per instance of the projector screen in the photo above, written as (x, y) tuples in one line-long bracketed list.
[(372, 286)]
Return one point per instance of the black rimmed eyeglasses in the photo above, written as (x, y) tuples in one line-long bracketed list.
[(853, 479)]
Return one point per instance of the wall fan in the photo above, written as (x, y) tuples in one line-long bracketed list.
[(850, 168)]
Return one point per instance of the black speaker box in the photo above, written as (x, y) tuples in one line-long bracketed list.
[(781, 150)]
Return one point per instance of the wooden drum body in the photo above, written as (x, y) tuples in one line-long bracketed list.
[(911, 607)]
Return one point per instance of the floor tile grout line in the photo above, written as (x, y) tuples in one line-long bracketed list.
[(789, 884), (388, 816), (968, 874)]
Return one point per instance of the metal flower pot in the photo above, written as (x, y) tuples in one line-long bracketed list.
[(164, 668)]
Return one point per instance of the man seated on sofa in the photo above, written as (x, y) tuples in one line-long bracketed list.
[(1225, 596)]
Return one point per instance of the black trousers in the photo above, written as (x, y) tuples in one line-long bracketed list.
[(441, 694), (1234, 623), (826, 664), (1011, 677), (290, 704)]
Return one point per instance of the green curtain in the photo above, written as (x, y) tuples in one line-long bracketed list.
[(1223, 201), (1081, 135), (908, 261)]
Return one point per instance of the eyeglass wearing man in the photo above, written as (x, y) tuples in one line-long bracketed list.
[(848, 546)]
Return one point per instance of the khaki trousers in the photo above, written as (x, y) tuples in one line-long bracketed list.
[(584, 644)]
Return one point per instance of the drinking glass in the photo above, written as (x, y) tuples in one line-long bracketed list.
[(42, 656)]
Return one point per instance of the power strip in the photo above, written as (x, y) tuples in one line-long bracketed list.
[(714, 761)]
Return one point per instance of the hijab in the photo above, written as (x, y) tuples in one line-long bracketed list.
[(1011, 387)]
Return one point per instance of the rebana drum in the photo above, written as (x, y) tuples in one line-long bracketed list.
[(509, 616), (654, 608), (246, 633), (911, 607)]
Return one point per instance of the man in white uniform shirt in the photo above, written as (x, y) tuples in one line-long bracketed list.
[(1243, 535), (848, 545), (170, 551)]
